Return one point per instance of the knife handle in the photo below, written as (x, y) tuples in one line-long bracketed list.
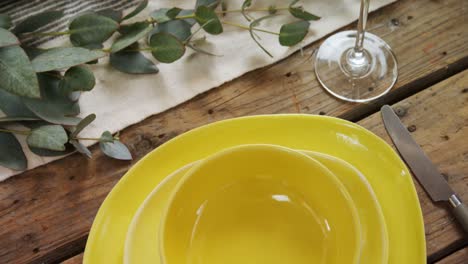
[(460, 210)]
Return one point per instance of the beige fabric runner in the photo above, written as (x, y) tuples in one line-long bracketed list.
[(120, 99)]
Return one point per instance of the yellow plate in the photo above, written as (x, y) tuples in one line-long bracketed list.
[(142, 243), (257, 204), (386, 173)]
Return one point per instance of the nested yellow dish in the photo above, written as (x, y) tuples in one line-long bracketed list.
[(383, 169), (256, 204)]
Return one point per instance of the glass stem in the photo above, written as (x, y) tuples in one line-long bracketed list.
[(361, 28)]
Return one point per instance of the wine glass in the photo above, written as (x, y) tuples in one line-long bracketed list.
[(355, 65)]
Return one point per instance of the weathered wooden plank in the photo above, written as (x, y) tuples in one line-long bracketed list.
[(78, 259), (438, 120), (46, 213), (459, 257)]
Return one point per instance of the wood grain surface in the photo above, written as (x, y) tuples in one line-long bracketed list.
[(438, 120), (46, 213)]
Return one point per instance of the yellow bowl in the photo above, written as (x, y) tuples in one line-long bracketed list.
[(142, 243), (260, 204)]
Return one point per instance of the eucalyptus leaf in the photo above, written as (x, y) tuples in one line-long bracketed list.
[(81, 148), (11, 153), (133, 62), (293, 33), (115, 15), (7, 38), (82, 125), (78, 78), (116, 150), (69, 148), (173, 12), (17, 76), (60, 58), (137, 10), (55, 105), (91, 28), (204, 14), (252, 26), (199, 50), (299, 12), (35, 22), (246, 4), (52, 137), (187, 12), (7, 119), (166, 48), (208, 3), (12, 106), (5, 21), (132, 35), (106, 137), (178, 28), (160, 15)]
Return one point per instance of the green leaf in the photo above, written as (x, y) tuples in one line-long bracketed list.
[(106, 137), (12, 106), (197, 49), (5, 21), (166, 48), (132, 35), (255, 23), (60, 58), (11, 153), (160, 15), (111, 13), (208, 3), (116, 150), (7, 119), (91, 28), (187, 12), (78, 78), (35, 22), (246, 4), (137, 10), (81, 148), (52, 137), (132, 62), (7, 38), (293, 33), (52, 153), (173, 12), (55, 105), (178, 28), (299, 12), (17, 76), (204, 14), (82, 124)]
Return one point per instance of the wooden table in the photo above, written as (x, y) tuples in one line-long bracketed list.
[(46, 213)]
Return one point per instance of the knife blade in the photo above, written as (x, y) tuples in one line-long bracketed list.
[(422, 167)]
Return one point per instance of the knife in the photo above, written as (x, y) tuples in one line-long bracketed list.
[(422, 167)]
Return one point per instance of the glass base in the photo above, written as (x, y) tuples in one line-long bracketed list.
[(355, 77)]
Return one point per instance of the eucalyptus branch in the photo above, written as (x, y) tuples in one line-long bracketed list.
[(252, 10), (248, 28), (62, 73)]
